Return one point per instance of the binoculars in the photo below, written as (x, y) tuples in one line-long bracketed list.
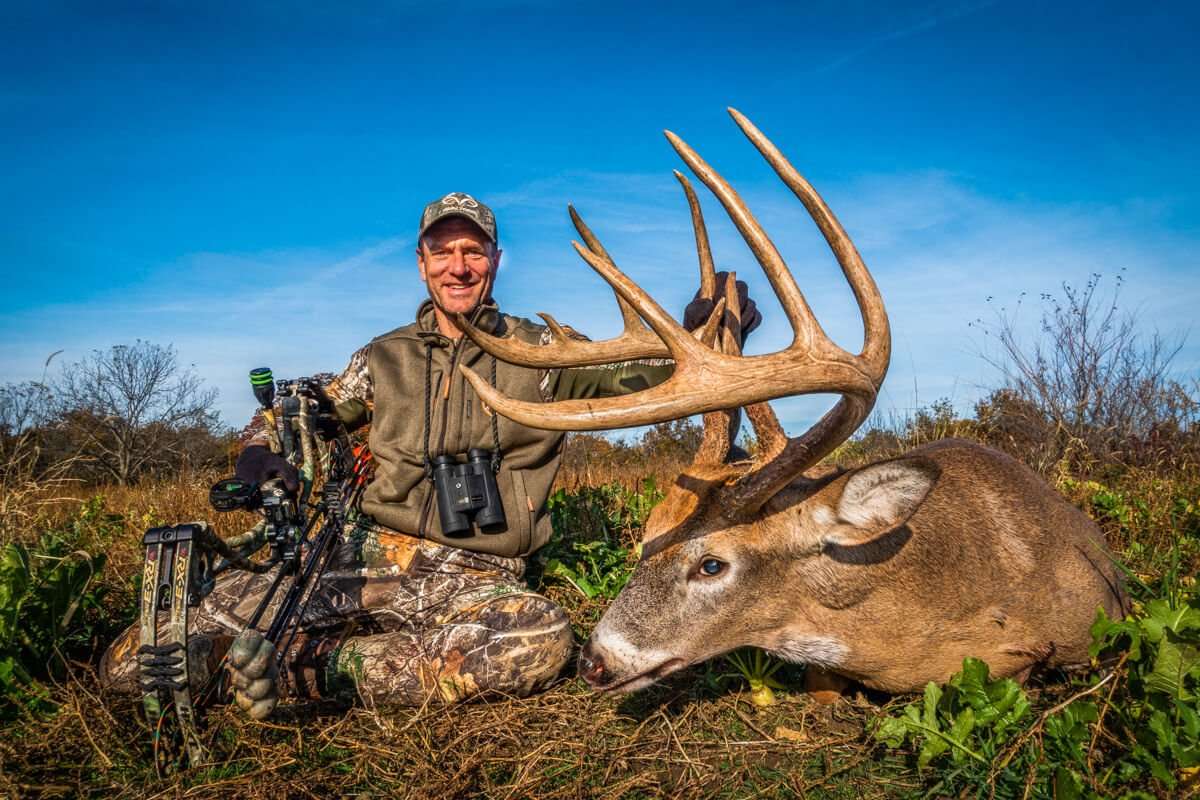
[(468, 492)]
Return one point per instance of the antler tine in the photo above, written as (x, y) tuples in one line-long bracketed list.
[(708, 273), (635, 341), (798, 453), (629, 317), (767, 430), (804, 324), (720, 427), (876, 341), (677, 340)]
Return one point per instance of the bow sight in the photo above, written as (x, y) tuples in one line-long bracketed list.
[(183, 561)]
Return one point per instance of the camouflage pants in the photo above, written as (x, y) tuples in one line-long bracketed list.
[(393, 619)]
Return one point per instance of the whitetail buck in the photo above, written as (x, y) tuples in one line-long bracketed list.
[(889, 574)]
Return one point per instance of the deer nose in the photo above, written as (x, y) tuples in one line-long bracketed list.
[(591, 665)]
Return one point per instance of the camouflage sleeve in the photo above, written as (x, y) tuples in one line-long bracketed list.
[(352, 393), (605, 380)]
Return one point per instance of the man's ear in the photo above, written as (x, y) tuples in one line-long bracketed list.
[(421, 263), (880, 498)]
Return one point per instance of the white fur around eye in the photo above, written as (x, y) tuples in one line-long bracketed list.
[(883, 494)]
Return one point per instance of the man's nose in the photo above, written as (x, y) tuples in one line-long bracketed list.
[(458, 265)]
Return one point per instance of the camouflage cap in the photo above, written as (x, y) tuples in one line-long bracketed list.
[(459, 204)]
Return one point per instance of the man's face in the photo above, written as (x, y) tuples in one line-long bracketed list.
[(458, 264)]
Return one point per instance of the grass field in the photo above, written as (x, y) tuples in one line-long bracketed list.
[(1128, 728)]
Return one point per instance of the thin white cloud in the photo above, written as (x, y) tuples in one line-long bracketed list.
[(902, 29)]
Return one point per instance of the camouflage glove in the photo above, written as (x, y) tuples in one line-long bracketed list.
[(252, 668), (257, 465), (697, 311)]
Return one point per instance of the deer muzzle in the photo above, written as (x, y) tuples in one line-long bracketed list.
[(594, 668)]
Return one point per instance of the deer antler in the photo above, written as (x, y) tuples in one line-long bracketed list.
[(707, 380), (636, 340)]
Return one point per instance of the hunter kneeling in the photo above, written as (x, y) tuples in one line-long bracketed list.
[(416, 605)]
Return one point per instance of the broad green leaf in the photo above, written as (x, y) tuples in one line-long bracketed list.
[(1067, 785), (1159, 616), (890, 730), (1164, 733), (934, 746), (1173, 663), (560, 570), (963, 725), (1106, 633), (933, 693), (1189, 720)]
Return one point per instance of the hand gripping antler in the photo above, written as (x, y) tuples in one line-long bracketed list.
[(707, 380)]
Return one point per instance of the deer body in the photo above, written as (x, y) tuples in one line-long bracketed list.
[(952, 550), (891, 573)]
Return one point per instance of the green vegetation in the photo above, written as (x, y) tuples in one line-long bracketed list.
[(1130, 729), (1103, 422), (50, 608)]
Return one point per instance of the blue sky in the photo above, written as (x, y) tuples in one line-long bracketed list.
[(243, 180)]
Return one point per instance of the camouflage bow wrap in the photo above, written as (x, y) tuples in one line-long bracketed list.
[(183, 562)]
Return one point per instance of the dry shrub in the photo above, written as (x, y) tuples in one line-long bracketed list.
[(1092, 385), (660, 454), (29, 482)]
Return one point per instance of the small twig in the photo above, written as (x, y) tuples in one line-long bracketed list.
[(749, 723), (1104, 710), (1012, 749)]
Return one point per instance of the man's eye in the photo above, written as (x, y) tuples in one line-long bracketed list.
[(711, 566)]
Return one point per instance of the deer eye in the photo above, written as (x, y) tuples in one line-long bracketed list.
[(710, 567)]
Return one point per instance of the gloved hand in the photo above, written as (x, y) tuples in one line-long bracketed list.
[(257, 465), (252, 669), (697, 311)]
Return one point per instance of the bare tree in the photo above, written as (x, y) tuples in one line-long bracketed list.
[(126, 407), (1092, 381)]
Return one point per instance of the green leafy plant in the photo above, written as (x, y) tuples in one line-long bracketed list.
[(1159, 720), (758, 669), (592, 548), (970, 719), (595, 569), (42, 592), (50, 605)]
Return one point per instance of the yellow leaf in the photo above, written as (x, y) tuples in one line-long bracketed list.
[(790, 735)]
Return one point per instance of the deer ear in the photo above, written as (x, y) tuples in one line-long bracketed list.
[(880, 498)]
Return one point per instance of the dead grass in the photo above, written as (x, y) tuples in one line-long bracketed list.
[(677, 740), (688, 738)]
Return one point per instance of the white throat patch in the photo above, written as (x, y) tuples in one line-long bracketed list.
[(824, 651)]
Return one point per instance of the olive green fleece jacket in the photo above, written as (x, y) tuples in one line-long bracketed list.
[(385, 385)]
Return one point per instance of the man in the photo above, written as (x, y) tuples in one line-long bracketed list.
[(408, 612)]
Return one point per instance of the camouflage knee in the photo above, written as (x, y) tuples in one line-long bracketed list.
[(513, 643), (119, 667)]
